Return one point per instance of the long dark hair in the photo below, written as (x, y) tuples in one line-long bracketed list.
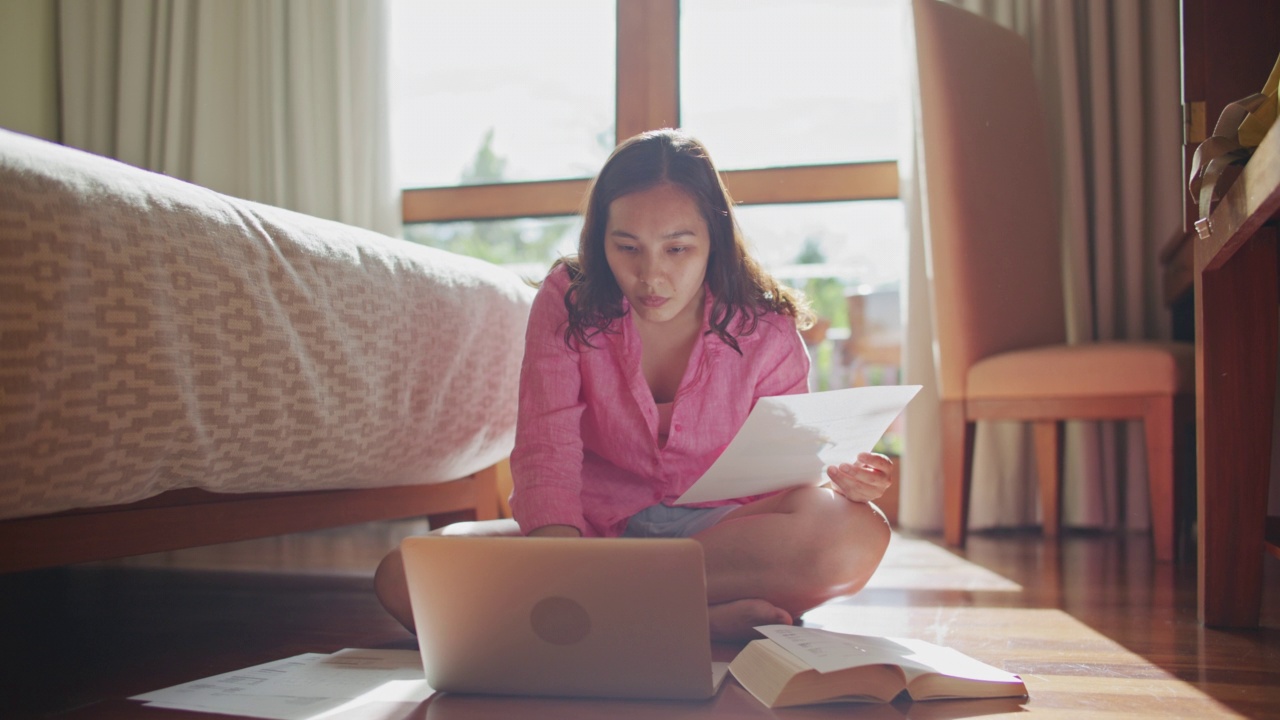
[(739, 286)]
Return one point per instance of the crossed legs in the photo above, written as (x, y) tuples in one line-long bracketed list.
[(767, 562), (773, 559)]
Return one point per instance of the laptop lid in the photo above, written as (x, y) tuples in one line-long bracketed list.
[(585, 617)]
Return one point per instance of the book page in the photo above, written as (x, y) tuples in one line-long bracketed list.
[(827, 651), (928, 658), (787, 441)]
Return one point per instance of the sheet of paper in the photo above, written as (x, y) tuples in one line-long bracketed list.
[(789, 440), (305, 687)]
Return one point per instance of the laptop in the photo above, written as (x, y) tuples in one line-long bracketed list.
[(572, 617)]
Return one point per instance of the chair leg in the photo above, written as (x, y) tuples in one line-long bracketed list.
[(1048, 442), (957, 469), (1158, 426)]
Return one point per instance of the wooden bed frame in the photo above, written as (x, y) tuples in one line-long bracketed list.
[(190, 518)]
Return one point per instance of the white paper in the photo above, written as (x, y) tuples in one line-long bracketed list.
[(827, 651), (788, 441), (310, 686)]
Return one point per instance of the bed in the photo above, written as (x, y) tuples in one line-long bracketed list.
[(180, 368)]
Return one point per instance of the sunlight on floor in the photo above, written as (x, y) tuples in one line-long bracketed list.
[(1064, 663), (913, 564)]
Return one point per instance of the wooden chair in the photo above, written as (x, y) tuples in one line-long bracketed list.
[(993, 233)]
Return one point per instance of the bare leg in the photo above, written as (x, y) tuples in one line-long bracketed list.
[(389, 581), (737, 619), (767, 562), (773, 559), (392, 589)]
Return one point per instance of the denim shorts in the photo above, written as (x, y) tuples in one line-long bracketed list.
[(664, 521)]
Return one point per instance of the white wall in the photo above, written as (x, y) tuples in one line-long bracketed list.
[(28, 67)]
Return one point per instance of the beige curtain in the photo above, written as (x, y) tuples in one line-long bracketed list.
[(1110, 77), (282, 102)]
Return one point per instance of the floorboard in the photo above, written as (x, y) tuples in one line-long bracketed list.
[(1091, 623)]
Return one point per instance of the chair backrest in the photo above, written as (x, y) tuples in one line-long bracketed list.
[(992, 222)]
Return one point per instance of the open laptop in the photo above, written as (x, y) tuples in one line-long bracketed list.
[(613, 618)]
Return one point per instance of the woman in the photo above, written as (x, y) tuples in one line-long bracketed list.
[(644, 355)]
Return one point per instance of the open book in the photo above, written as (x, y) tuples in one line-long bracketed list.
[(800, 666)]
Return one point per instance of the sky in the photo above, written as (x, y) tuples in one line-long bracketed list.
[(763, 83)]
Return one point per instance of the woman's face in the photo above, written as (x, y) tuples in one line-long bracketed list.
[(657, 245)]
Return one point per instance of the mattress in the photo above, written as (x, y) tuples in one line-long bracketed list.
[(157, 335)]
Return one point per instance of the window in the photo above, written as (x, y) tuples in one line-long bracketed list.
[(491, 92), (525, 245), (506, 109), (804, 82)]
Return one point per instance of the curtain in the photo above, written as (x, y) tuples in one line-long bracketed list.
[(282, 102), (1111, 86)]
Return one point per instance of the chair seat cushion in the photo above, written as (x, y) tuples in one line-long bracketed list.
[(1105, 368)]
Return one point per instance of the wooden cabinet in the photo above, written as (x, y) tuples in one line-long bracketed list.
[(1229, 47)]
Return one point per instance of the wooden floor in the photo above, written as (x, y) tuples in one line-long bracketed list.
[(1093, 626)]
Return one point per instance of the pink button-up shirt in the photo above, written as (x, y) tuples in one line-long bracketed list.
[(588, 452)]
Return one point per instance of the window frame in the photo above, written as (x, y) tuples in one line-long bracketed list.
[(648, 98)]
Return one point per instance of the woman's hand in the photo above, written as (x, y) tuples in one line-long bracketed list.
[(864, 480), (555, 531)]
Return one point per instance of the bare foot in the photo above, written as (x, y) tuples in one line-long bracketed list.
[(737, 619)]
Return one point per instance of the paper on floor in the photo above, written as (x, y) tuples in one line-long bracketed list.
[(310, 686)]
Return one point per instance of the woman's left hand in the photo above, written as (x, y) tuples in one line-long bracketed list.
[(864, 480)]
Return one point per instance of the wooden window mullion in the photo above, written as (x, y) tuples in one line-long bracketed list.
[(648, 83), (800, 184)]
